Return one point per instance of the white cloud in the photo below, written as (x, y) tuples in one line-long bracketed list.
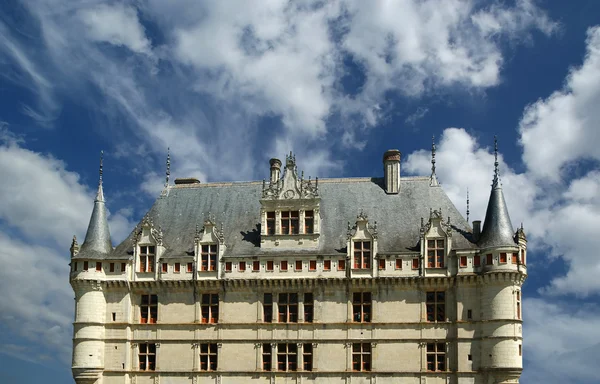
[(43, 205), (561, 129), (115, 24)]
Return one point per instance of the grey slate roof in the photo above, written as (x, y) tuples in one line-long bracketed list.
[(497, 228), (97, 244), (237, 206)]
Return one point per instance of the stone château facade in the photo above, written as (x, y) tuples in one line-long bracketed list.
[(293, 280)]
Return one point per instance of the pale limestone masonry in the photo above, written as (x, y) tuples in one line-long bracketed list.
[(411, 250)]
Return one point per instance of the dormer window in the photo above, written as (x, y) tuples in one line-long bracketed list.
[(270, 223), (290, 222), (435, 253), (147, 254), (208, 257), (362, 254), (309, 222)]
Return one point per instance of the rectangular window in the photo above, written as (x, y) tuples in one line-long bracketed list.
[(489, 259), (309, 222), (361, 307), (503, 258), (309, 306), (287, 355), (436, 357), (361, 357), (398, 263), (477, 261), (381, 263), (177, 267), (283, 265), (165, 267), (514, 258), (209, 307), (469, 314), (362, 254), (520, 350), (190, 267), (208, 257), (312, 265), (307, 357), (341, 265), (228, 266), (208, 357), (298, 265), (268, 308), (523, 254), (327, 265), (290, 222), (415, 263), (288, 307), (111, 267), (147, 356), (242, 266), (256, 266), (463, 261), (269, 265), (266, 356), (147, 258), (149, 309), (74, 266), (270, 223), (435, 253), (518, 305), (123, 266), (98, 266), (436, 306), (85, 265)]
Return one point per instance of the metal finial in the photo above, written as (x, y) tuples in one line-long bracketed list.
[(496, 170), (101, 161), (168, 172), (433, 154), (433, 178), (468, 205)]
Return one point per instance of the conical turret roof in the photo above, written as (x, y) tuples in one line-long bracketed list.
[(97, 239), (497, 228)]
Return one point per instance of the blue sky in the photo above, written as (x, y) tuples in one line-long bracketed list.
[(229, 84)]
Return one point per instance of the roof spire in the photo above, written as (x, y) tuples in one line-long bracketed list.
[(97, 238), (497, 228), (433, 179), (100, 193), (496, 181), (168, 173), (468, 205)]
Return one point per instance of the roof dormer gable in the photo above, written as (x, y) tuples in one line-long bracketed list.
[(148, 233), (290, 186), (209, 233)]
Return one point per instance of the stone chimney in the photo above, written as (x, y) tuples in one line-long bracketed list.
[(391, 171), (275, 170), (476, 229)]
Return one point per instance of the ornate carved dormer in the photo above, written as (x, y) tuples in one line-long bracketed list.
[(74, 247), (209, 245), (436, 240), (148, 246), (289, 208), (362, 245)]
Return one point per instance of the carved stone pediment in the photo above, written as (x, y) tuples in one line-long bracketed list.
[(209, 232), (362, 228), (147, 232), (291, 186), (436, 225)]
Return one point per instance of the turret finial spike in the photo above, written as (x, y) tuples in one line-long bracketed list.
[(100, 172), (168, 172), (496, 169), (468, 205), (433, 178)]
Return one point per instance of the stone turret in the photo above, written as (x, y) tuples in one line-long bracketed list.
[(90, 303)]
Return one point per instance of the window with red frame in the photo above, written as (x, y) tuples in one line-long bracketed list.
[(381, 263), (149, 309), (463, 261), (436, 357), (477, 261), (298, 265), (362, 254), (208, 357), (208, 257), (256, 266), (361, 357), (228, 266), (242, 266), (98, 266), (290, 222), (177, 268), (147, 253), (269, 265), (165, 267), (288, 307), (190, 267), (489, 259), (283, 265), (327, 265), (361, 307), (209, 307), (270, 223), (398, 263), (309, 222), (415, 263), (312, 265), (503, 258), (147, 356), (514, 258), (111, 267), (341, 265), (435, 253)]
